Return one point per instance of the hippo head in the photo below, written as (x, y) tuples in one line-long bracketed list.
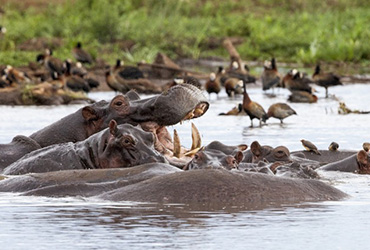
[(213, 159), (268, 153), (179, 103), (127, 146), (363, 161)]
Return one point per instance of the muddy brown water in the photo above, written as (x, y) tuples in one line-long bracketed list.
[(80, 223)]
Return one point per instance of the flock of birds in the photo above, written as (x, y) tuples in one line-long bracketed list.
[(234, 82)]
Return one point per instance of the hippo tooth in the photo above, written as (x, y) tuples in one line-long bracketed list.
[(192, 152), (176, 144), (195, 136)]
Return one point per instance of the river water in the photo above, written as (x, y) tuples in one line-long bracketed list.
[(80, 223)]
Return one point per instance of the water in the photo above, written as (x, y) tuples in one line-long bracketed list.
[(80, 223)]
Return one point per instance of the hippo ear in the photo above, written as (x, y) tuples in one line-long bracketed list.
[(113, 128), (256, 148), (89, 114), (242, 147), (362, 158), (239, 156)]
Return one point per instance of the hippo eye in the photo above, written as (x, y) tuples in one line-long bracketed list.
[(128, 140), (119, 103), (196, 157)]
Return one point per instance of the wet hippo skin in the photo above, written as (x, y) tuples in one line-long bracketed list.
[(115, 147)]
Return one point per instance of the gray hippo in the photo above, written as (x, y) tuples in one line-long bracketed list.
[(159, 182), (325, 156), (213, 159), (357, 163), (115, 147), (181, 102)]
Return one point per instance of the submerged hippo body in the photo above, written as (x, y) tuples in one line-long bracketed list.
[(179, 103), (159, 182), (325, 157), (220, 188), (19, 146), (115, 147), (357, 163)]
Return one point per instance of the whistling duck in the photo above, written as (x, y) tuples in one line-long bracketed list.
[(325, 80), (270, 76), (213, 84), (233, 86), (296, 81), (52, 64), (238, 110), (280, 111), (302, 96), (81, 55), (253, 109)]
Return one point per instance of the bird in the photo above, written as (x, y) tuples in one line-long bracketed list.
[(233, 86), (81, 55), (52, 64), (366, 146), (253, 109), (235, 72), (333, 146), (75, 82), (270, 76), (302, 96), (325, 80), (309, 146), (128, 72), (237, 110), (213, 85), (280, 111), (297, 81)]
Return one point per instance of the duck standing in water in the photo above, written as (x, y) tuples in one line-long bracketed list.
[(280, 111), (270, 76), (213, 85), (253, 109), (325, 80)]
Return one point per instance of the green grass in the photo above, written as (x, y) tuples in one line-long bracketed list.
[(293, 31)]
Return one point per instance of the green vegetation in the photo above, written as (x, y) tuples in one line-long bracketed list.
[(291, 30)]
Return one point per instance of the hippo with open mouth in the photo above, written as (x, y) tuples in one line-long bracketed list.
[(181, 102)]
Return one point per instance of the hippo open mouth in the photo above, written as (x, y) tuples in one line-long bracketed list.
[(171, 148)]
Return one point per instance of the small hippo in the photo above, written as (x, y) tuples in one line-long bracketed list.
[(266, 153), (115, 147), (357, 163)]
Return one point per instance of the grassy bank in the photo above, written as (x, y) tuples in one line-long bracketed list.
[(292, 31)]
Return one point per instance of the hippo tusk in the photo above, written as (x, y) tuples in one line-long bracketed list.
[(192, 152), (195, 136), (2, 177), (176, 145)]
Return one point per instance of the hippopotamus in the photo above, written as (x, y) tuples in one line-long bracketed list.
[(357, 163), (115, 147), (181, 102), (325, 156), (211, 158), (160, 182), (266, 153)]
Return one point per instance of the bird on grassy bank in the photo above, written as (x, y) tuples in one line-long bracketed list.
[(309, 146), (333, 146), (238, 110), (75, 82), (213, 85), (128, 72), (51, 64), (270, 76), (325, 80), (253, 109), (280, 111), (81, 55)]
